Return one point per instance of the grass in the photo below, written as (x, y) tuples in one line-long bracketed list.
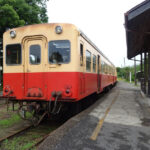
[(119, 79), (16, 144), (5, 123), (28, 145)]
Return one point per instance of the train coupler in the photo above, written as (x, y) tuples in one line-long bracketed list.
[(57, 106)]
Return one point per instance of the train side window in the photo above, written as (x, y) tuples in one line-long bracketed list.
[(94, 63), (81, 54), (105, 68), (13, 54), (88, 61), (101, 66), (35, 54), (59, 52), (108, 70)]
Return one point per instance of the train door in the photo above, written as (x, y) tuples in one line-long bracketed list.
[(82, 68), (34, 67), (98, 73)]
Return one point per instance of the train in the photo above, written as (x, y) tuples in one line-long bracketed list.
[(47, 66)]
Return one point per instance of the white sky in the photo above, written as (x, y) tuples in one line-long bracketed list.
[(101, 20)]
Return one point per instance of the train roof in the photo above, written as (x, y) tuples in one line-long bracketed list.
[(88, 40)]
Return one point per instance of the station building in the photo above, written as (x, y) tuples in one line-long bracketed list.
[(137, 25)]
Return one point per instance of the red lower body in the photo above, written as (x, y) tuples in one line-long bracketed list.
[(39, 86)]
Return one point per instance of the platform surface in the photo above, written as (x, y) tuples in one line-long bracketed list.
[(114, 122)]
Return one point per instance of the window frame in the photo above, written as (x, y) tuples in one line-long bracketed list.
[(6, 55), (40, 55), (49, 55)]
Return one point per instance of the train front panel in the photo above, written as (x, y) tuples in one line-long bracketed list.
[(41, 61)]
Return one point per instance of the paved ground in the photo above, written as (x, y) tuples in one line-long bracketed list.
[(112, 123)]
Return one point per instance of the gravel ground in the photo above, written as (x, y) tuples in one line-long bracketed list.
[(118, 115)]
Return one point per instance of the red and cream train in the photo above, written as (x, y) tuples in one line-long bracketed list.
[(46, 65)]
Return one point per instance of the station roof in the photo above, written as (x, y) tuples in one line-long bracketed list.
[(137, 24)]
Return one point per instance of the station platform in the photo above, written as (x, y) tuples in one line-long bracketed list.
[(117, 121)]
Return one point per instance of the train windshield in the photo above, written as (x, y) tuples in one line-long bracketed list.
[(13, 54), (59, 51)]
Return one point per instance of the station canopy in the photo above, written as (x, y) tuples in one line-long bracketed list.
[(137, 24)]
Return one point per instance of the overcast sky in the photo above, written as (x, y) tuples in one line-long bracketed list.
[(101, 20)]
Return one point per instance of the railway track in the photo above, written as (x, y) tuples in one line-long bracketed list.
[(29, 133), (15, 133), (37, 141), (24, 131)]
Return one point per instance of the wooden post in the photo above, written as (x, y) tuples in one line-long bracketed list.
[(145, 73), (149, 74), (141, 78), (135, 81)]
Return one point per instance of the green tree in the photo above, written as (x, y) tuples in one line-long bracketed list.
[(125, 72), (14, 13)]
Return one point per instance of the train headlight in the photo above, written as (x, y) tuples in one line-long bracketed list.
[(12, 34), (58, 29)]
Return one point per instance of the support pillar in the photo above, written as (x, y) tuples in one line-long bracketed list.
[(135, 81), (141, 77), (145, 73), (149, 74)]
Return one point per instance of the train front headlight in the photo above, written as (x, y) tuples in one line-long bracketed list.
[(12, 34), (58, 29)]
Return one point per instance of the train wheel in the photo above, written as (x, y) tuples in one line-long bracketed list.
[(76, 108)]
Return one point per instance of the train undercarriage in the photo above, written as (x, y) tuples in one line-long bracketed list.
[(36, 110)]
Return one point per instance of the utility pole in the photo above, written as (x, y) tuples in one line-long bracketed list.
[(130, 76), (124, 62)]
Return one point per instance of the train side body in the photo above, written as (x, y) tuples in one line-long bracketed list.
[(38, 62)]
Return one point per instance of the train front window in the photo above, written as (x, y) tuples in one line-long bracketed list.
[(13, 54), (35, 54), (59, 51)]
